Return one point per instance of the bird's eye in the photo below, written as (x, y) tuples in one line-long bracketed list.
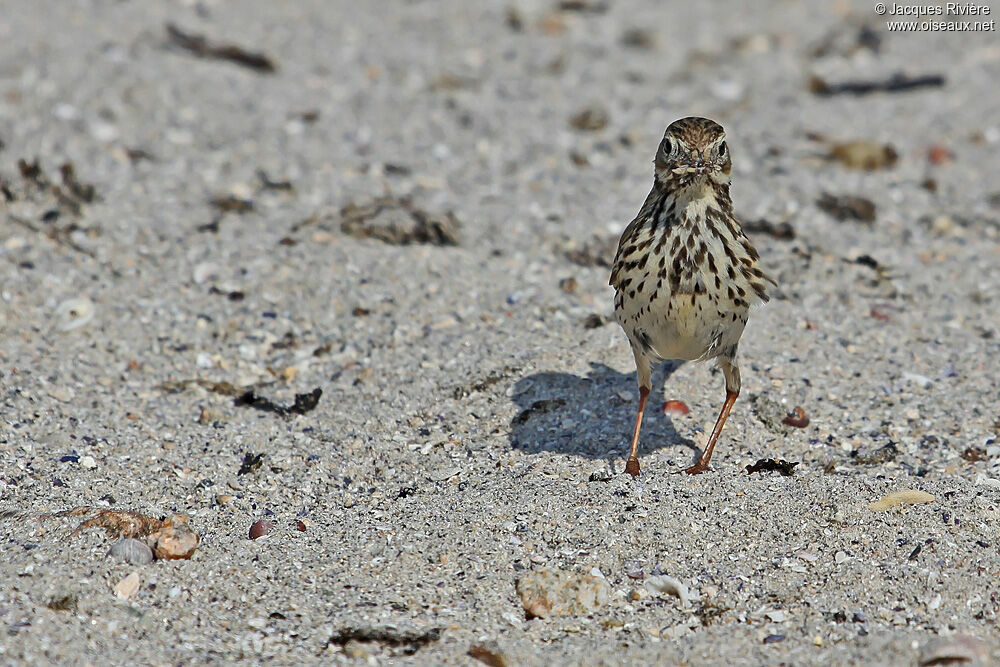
[(722, 149), (668, 145)]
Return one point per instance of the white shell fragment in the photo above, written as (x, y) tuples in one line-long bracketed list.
[(73, 314), (908, 497), (204, 272), (956, 650), (131, 550), (128, 586), (664, 585)]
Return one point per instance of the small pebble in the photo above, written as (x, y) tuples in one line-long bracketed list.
[(590, 119), (128, 586), (568, 285), (918, 379), (727, 89), (983, 480), (633, 570), (65, 111), (798, 418), (174, 540), (204, 272), (774, 639), (675, 408), (104, 132), (260, 529), (939, 155), (62, 394), (88, 462)]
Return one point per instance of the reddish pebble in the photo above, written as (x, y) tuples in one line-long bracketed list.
[(881, 314), (675, 408), (798, 419), (939, 155), (260, 529), (301, 526)]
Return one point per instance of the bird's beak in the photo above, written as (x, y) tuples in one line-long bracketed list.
[(695, 166)]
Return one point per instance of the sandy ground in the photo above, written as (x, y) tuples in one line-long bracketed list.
[(475, 402)]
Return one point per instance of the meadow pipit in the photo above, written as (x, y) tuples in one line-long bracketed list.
[(685, 275)]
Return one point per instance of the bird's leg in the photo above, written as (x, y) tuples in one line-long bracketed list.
[(702, 464), (644, 376), (732, 373), (632, 465)]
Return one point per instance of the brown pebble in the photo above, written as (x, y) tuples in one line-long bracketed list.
[(974, 454), (798, 418), (260, 529), (847, 207), (939, 155), (881, 313), (865, 155), (301, 526), (174, 540), (590, 119), (675, 408), (568, 285)]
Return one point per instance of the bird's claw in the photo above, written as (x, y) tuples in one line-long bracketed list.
[(632, 467)]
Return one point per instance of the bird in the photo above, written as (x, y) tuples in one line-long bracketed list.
[(685, 275)]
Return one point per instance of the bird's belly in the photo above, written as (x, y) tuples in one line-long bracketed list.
[(682, 327)]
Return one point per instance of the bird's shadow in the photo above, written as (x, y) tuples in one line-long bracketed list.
[(588, 416)]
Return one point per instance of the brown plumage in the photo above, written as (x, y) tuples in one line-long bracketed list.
[(685, 275)]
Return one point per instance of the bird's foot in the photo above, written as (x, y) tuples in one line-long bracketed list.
[(697, 468), (632, 467)]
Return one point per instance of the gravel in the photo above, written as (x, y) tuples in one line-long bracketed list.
[(432, 411)]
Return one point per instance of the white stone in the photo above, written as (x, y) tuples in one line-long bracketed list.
[(128, 586)]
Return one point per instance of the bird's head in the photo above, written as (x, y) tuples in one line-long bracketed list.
[(693, 151)]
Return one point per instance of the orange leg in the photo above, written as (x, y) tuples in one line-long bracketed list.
[(632, 465), (702, 464)]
